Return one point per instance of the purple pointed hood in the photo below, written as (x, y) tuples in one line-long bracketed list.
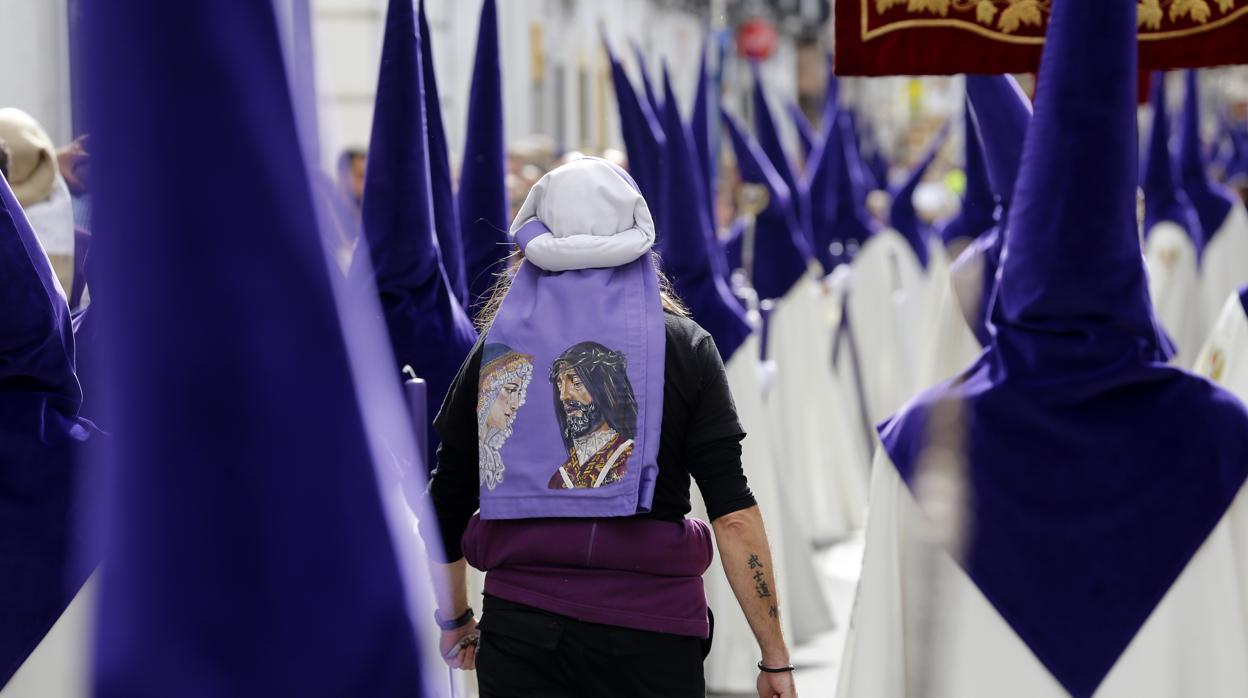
[(484, 211), (1000, 132), (781, 251), (869, 175), (232, 401), (854, 224), (769, 140), (818, 190), (978, 202), (399, 224), (652, 97), (1236, 173), (902, 215), (1081, 445), (1212, 201), (704, 127), (1164, 198), (445, 207), (805, 132), (1002, 112), (643, 136), (687, 248)]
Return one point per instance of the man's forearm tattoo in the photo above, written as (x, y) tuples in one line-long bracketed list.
[(760, 580)]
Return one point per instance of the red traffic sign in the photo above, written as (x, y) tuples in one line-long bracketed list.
[(756, 38)]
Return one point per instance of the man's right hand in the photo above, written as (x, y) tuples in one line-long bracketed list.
[(776, 685), (459, 656)]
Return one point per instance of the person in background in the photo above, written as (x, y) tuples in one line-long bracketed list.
[(36, 180), (74, 163), (588, 365), (351, 166)]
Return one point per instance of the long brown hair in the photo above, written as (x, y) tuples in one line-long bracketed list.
[(502, 284)]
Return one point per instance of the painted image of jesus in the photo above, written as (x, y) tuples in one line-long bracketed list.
[(505, 376), (597, 415)]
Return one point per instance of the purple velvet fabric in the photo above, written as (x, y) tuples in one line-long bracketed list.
[(482, 197), (247, 549), (633, 573), (445, 207), (399, 255), (39, 435)]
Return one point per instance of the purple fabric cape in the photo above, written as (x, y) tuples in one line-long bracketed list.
[(1095, 470)]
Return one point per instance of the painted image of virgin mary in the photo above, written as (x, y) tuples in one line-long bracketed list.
[(597, 415), (504, 383)]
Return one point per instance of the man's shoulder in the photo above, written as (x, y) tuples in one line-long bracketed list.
[(682, 331)]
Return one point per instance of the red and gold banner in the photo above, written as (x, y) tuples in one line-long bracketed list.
[(942, 37)]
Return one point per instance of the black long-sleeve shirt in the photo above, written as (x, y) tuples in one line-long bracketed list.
[(700, 437)]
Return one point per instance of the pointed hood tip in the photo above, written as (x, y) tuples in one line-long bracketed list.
[(902, 215), (482, 196), (978, 202), (1212, 201), (400, 161), (1006, 111), (1077, 190), (1164, 197)]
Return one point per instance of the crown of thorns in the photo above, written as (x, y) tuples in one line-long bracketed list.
[(585, 353)]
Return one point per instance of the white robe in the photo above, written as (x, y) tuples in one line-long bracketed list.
[(819, 442), (1174, 284), (1224, 358), (60, 665), (1194, 643), (1224, 266), (804, 611), (53, 223), (889, 308), (953, 346)]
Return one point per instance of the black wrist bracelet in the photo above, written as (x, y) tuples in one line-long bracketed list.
[(455, 623), (769, 670)]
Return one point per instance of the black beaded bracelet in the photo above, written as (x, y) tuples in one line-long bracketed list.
[(455, 623), (769, 670)]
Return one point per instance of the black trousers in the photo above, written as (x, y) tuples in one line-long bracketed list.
[(526, 652)]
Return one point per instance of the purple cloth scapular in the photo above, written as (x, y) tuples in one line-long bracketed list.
[(583, 319)]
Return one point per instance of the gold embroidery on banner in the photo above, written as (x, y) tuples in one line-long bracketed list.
[(1002, 20)]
